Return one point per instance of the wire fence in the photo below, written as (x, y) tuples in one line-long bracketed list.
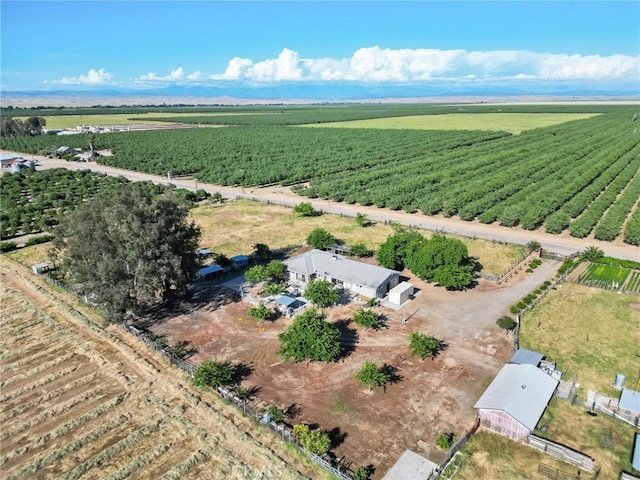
[(442, 470), (256, 412)]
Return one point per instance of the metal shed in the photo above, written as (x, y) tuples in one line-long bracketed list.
[(40, 268), (401, 293), (287, 305), (526, 357), (629, 400), (240, 261), (211, 271), (412, 466), (515, 400)]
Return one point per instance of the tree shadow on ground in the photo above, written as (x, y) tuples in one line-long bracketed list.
[(337, 437), (184, 349), (392, 372), (348, 337), (294, 410), (249, 394), (240, 371), (201, 295)]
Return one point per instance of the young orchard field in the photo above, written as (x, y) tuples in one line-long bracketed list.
[(580, 175), (35, 201)]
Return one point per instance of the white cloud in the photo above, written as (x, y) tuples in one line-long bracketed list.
[(93, 77), (176, 75), (287, 66), (375, 64)]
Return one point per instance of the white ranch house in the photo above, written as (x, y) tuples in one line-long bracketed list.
[(360, 278)]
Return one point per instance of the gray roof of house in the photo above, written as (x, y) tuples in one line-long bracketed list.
[(526, 357), (521, 391), (411, 466), (630, 400), (339, 267)]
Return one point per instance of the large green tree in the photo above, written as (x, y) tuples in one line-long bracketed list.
[(321, 293), (129, 250), (312, 338), (315, 441), (394, 251), (321, 238), (442, 260), (213, 374)]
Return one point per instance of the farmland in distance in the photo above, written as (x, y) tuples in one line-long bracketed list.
[(579, 177), (507, 122)]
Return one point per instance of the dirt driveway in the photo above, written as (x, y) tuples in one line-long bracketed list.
[(426, 399)]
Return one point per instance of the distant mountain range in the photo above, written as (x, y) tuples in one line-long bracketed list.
[(305, 93)]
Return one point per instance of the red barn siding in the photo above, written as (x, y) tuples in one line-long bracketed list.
[(500, 422)]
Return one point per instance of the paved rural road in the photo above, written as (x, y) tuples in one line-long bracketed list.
[(563, 243)]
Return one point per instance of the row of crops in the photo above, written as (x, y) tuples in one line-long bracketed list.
[(37, 200), (581, 176), (611, 277)]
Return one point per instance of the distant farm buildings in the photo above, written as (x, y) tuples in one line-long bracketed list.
[(15, 162)]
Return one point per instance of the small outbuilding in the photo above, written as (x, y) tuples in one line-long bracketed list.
[(40, 268), (204, 253), (210, 272), (288, 305), (10, 161), (630, 401), (401, 293), (411, 466), (84, 157), (240, 261), (526, 357), (515, 400), (635, 458)]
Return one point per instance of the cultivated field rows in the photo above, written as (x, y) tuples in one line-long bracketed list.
[(78, 400)]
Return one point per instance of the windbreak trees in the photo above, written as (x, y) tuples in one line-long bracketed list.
[(438, 259), (129, 250)]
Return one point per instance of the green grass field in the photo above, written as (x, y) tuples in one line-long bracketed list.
[(606, 273), (509, 122), (234, 227), (589, 332), (71, 121)]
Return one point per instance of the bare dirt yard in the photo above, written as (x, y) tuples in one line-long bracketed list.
[(425, 399), (80, 400)]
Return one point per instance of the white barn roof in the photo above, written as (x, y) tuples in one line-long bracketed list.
[(339, 267), (629, 400), (411, 466), (521, 391)]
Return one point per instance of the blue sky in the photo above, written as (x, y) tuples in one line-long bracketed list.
[(305, 47)]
